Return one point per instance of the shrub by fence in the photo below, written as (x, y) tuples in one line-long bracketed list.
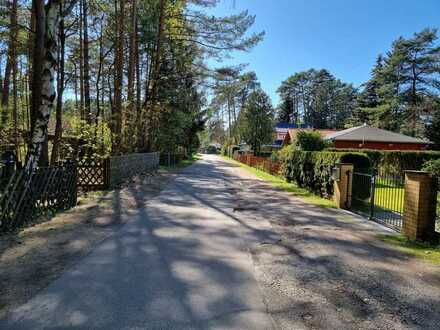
[(46, 191), (397, 161), (261, 163), (313, 169)]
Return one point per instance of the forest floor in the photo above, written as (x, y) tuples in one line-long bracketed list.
[(33, 257)]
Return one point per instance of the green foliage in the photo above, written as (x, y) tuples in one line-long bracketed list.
[(432, 166), (228, 148), (95, 140), (404, 88), (275, 156), (317, 98), (310, 141), (313, 169), (397, 161), (256, 120), (292, 188), (432, 129)]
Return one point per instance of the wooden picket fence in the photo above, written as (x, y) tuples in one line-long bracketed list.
[(29, 196), (25, 197), (261, 163)]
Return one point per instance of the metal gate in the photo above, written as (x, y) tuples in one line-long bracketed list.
[(380, 196)]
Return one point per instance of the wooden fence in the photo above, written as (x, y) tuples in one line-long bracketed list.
[(26, 197), (94, 174), (102, 174), (169, 159), (261, 163)]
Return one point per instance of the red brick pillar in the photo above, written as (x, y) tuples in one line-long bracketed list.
[(419, 211)]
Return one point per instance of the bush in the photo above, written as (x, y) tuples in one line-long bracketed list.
[(432, 166), (274, 156), (310, 141), (397, 161), (229, 150), (313, 169)]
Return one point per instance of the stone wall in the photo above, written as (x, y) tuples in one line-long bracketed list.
[(126, 166)]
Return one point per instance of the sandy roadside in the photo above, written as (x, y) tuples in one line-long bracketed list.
[(33, 257)]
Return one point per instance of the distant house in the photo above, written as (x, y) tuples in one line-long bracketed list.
[(281, 130), (292, 132), (366, 137)]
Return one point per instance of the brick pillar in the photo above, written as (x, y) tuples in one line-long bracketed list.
[(343, 186), (420, 203)]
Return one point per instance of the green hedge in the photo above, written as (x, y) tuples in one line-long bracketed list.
[(397, 161), (313, 169)]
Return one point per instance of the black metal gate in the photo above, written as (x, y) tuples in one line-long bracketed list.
[(380, 196)]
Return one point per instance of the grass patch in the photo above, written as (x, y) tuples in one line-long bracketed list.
[(292, 188), (425, 251)]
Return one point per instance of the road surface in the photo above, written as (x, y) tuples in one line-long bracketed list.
[(220, 249)]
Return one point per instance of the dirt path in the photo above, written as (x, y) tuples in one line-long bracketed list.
[(34, 257)]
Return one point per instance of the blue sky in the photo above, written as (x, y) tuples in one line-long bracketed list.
[(343, 36)]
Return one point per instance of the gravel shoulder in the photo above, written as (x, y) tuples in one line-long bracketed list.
[(35, 256)]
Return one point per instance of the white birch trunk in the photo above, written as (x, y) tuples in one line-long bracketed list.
[(48, 90)]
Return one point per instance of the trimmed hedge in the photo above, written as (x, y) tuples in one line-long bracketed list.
[(313, 169), (397, 161)]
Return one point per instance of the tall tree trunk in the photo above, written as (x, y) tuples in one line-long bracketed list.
[(154, 81), (75, 86), (119, 71), (87, 103), (60, 86), (158, 51), (413, 107), (131, 76), (14, 64), (138, 91), (31, 54), (98, 83), (48, 16), (10, 61), (1, 70), (36, 143), (98, 76), (81, 62)]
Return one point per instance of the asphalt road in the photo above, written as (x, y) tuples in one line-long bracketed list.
[(182, 262), (220, 249)]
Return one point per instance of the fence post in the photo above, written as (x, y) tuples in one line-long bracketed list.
[(419, 211), (343, 186), (107, 174), (74, 199), (373, 193)]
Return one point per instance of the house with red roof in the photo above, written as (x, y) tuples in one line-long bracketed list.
[(367, 137)]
